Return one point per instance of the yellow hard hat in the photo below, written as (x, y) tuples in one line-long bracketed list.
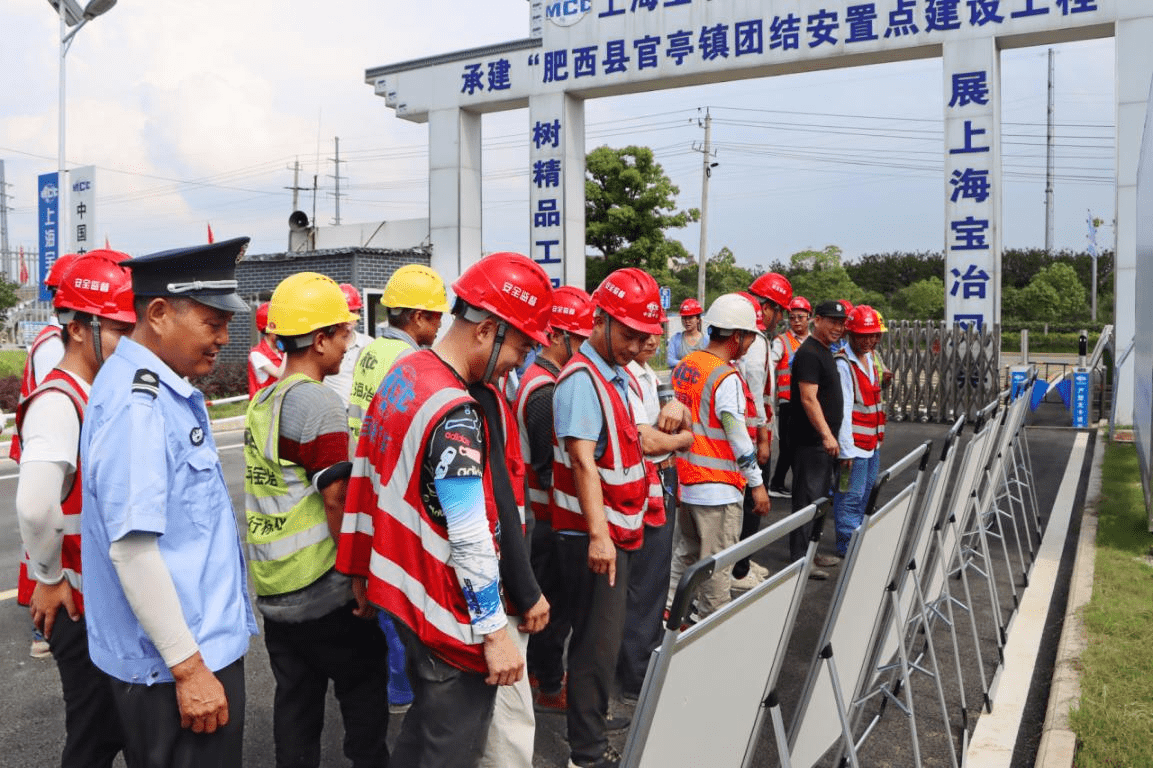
[(415, 286), (305, 302)]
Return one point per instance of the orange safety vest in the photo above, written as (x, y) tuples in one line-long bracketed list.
[(710, 458), (388, 534), (785, 366), (59, 381), (868, 410), (626, 485), (535, 377)]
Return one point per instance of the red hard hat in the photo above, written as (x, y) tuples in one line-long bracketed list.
[(756, 308), (352, 296), (691, 307), (633, 297), (512, 287), (800, 302), (58, 268), (864, 319), (95, 283), (262, 317), (774, 287), (572, 310)]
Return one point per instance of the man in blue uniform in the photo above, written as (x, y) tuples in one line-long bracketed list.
[(165, 583)]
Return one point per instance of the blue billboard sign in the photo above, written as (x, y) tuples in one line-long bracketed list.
[(48, 219)]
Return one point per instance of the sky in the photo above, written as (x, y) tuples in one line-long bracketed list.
[(194, 114)]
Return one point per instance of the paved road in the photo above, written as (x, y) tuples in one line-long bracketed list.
[(31, 714)]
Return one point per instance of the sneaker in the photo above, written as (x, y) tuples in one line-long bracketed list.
[(617, 722), (758, 569), (780, 492), (551, 703), (40, 649), (826, 561), (746, 582), (610, 759), (818, 575), (399, 709)]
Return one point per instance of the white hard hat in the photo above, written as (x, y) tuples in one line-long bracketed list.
[(732, 312)]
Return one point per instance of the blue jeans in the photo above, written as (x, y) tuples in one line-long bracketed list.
[(849, 507)]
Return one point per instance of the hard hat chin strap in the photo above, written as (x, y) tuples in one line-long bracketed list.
[(97, 346), (501, 330), (609, 338), (567, 343)]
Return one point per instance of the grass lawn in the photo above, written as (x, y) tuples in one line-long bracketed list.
[(228, 409), (12, 362), (1114, 724)]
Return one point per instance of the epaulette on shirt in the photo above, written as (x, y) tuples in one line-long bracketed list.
[(146, 383)]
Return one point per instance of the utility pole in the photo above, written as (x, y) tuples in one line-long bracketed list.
[(707, 166), (337, 161), (296, 188), (1049, 165), (10, 268), (1093, 253)]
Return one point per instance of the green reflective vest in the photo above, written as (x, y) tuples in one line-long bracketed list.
[(370, 370), (289, 544)]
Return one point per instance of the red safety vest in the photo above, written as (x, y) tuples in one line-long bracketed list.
[(388, 534), (784, 374), (59, 381), (710, 458), (272, 354), (655, 515), (625, 483), (868, 410), (535, 377), (28, 383)]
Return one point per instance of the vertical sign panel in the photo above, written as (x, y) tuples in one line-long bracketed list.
[(546, 184), (49, 222), (972, 182), (82, 209)]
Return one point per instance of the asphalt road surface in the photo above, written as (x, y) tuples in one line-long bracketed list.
[(31, 711)]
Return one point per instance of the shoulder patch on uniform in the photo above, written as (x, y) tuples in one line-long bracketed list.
[(146, 382)]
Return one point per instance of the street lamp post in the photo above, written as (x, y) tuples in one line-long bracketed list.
[(71, 15)]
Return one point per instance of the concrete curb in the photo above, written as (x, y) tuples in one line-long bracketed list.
[(1058, 743)]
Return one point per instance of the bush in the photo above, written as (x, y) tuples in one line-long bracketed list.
[(226, 380), (9, 393)]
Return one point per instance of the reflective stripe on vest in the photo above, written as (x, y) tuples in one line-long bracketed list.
[(624, 481), (71, 500), (274, 356), (387, 533), (535, 377), (371, 368), (710, 458), (289, 543), (27, 384), (789, 344), (868, 410)]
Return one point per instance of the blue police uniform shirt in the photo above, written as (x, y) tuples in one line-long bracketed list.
[(150, 465), (577, 409)]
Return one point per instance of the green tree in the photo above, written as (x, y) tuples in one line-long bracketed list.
[(629, 204), (819, 275), (8, 299), (922, 300), (722, 275)]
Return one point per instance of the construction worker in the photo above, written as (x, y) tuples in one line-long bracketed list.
[(816, 393), (430, 481), (341, 381), (781, 353), (415, 300), (316, 628), (94, 304), (863, 423), (691, 337), (570, 325), (164, 578), (265, 361), (722, 460), (44, 353), (599, 498)]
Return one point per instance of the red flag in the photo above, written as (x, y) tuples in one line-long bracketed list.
[(107, 246), (23, 268), (211, 239)]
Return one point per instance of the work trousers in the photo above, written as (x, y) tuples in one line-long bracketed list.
[(784, 444), (849, 507), (353, 654), (92, 730), (154, 738), (812, 480), (512, 733), (447, 725), (648, 583), (546, 648), (598, 616), (702, 531)]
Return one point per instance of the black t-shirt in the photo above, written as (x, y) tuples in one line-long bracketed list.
[(814, 363)]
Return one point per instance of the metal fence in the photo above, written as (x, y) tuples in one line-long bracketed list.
[(940, 371)]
